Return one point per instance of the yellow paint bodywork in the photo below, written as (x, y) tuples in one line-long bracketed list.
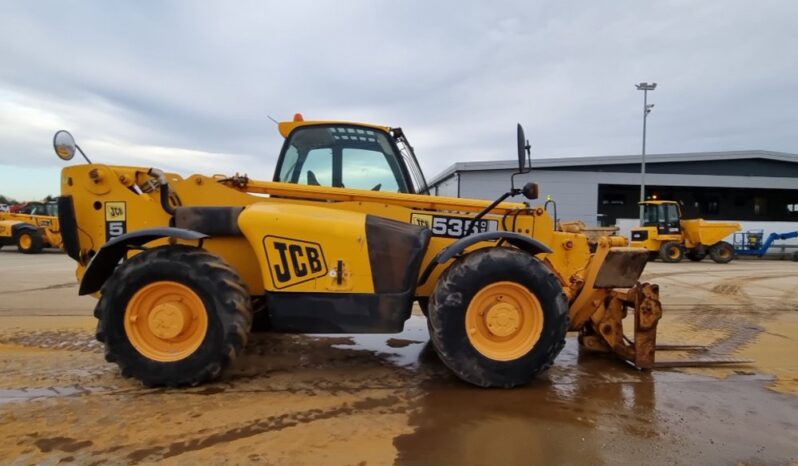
[(698, 231), (655, 240), (332, 217), (339, 234)]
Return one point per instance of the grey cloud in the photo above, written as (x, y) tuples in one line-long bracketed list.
[(204, 76)]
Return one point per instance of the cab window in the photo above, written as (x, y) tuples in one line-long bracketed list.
[(317, 169), (655, 214), (368, 169), (650, 214), (672, 213), (344, 156)]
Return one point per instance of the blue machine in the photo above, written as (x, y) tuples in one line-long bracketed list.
[(750, 243)]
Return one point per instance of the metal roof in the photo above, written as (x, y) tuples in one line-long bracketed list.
[(559, 162)]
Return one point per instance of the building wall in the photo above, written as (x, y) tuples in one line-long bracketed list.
[(576, 192), (711, 203), (447, 187)]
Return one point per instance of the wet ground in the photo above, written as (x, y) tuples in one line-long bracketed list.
[(387, 399)]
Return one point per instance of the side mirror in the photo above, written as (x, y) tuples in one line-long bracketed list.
[(523, 149), (64, 145), (530, 191)]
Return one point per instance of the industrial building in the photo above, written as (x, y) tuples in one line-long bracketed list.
[(757, 188)]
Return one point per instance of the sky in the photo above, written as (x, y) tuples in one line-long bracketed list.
[(190, 86)]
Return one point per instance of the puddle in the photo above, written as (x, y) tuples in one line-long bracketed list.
[(401, 349), (595, 410)]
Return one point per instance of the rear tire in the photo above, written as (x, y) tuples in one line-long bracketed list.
[(795, 256), (526, 346), (672, 252), (721, 252), (132, 323), (29, 241)]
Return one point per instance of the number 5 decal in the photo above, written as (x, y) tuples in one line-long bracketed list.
[(115, 219)]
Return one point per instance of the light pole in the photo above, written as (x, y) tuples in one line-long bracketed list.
[(645, 87)]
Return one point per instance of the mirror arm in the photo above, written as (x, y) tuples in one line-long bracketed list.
[(483, 212), (516, 191), (81, 153)]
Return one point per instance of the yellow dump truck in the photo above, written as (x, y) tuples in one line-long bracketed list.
[(669, 237), (31, 232)]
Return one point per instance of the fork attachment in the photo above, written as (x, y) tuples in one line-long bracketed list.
[(604, 330)]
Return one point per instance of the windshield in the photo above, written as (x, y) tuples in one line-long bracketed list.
[(343, 156), (654, 214), (651, 214)]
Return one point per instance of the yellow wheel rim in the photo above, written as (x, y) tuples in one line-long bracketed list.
[(504, 321), (724, 253), (166, 321), (25, 241), (675, 253)]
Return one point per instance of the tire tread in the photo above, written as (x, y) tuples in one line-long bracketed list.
[(232, 303), (447, 294)]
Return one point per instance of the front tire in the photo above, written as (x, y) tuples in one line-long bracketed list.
[(498, 317), (30, 241), (672, 252), (173, 316), (721, 252)]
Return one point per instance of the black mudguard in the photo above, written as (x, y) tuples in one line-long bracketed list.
[(525, 243), (107, 258), (17, 227)]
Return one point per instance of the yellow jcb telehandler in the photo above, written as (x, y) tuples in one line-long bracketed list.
[(31, 232), (670, 238), (343, 240)]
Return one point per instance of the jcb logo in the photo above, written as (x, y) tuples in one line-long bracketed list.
[(115, 219), (293, 261)]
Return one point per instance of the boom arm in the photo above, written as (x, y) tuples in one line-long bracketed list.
[(763, 249)]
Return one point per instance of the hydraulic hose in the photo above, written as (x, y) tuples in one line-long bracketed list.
[(163, 184), (549, 200)]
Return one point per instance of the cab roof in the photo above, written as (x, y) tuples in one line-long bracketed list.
[(286, 127), (657, 202)]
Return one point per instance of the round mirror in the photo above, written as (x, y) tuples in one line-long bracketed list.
[(64, 145), (521, 149)]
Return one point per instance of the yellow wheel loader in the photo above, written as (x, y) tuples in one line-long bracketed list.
[(31, 232), (670, 238), (343, 240)]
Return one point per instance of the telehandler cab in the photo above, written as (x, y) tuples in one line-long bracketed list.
[(343, 240)]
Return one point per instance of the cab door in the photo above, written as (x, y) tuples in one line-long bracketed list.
[(669, 222)]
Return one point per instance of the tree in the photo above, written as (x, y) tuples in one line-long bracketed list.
[(7, 200)]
